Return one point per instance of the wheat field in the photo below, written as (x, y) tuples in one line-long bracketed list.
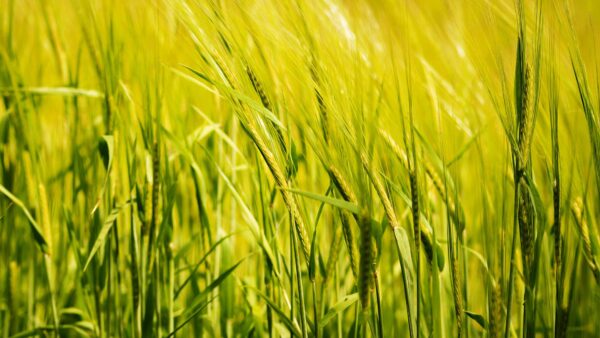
[(305, 168)]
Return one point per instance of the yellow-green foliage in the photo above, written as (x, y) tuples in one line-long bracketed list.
[(189, 167)]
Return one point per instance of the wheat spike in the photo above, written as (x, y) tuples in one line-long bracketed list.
[(258, 88), (387, 204), (577, 209), (525, 121), (341, 184), (350, 244), (320, 102), (264, 99), (458, 301), (495, 311), (347, 194), (425, 235), (439, 186), (526, 219), (333, 254), (365, 279), (431, 173), (557, 225), (280, 180)]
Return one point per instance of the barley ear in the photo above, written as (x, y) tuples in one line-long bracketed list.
[(341, 184), (495, 311), (333, 254), (525, 121), (458, 300), (526, 219), (584, 232), (365, 279), (350, 244), (344, 189), (281, 181)]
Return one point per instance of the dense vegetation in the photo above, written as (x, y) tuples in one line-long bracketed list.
[(305, 168)]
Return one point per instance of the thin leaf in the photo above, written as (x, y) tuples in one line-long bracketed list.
[(477, 318), (108, 223), (408, 271), (197, 265), (342, 204), (198, 300), (35, 229), (337, 308), (192, 316), (106, 147), (292, 326)]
